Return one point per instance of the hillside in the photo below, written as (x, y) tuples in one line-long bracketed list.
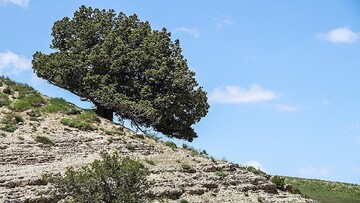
[(326, 191), (40, 134)]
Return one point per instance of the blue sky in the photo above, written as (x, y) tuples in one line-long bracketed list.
[(282, 76)]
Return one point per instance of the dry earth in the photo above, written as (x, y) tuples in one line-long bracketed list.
[(23, 161)]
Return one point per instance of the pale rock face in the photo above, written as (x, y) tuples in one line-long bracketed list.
[(23, 161)]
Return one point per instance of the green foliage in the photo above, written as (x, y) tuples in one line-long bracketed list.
[(184, 201), (256, 171), (83, 121), (151, 162), (9, 122), (192, 150), (4, 99), (221, 174), (28, 102), (110, 180), (326, 191), (186, 166), (121, 65), (44, 140), (130, 146), (58, 105), (279, 182), (7, 90), (170, 144)]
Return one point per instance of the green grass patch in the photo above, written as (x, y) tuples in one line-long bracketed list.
[(58, 105), (28, 102), (170, 144), (151, 162), (9, 122), (44, 140), (325, 191), (4, 99), (83, 121), (186, 166), (221, 174)]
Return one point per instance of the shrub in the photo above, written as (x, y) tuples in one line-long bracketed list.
[(4, 99), (44, 140), (221, 174), (151, 162), (130, 146), (112, 179), (9, 122), (185, 166), (170, 144), (279, 182), (183, 201), (7, 90)]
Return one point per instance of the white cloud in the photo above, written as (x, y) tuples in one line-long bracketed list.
[(339, 35), (23, 3), (314, 172), (191, 31), (228, 21), (288, 107), (12, 63), (255, 164), (238, 95)]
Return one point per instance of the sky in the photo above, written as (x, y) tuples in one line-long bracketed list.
[(282, 76)]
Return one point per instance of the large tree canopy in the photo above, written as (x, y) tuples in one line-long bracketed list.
[(124, 67)]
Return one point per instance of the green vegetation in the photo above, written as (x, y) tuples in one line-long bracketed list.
[(186, 166), (151, 162), (83, 121), (171, 145), (4, 99), (130, 146), (184, 201), (44, 140), (9, 122), (144, 78), (221, 174), (110, 180), (257, 171), (28, 101), (325, 191), (58, 105), (279, 182)]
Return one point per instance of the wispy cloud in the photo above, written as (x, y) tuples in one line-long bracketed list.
[(13, 63), (314, 172), (22, 3), (226, 21), (191, 31), (238, 95), (339, 35), (288, 107), (255, 164)]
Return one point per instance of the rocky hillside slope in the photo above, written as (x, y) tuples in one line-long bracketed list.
[(40, 134)]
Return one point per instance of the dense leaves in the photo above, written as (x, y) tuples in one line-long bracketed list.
[(112, 179), (121, 65)]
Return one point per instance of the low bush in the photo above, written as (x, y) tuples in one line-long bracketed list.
[(44, 140), (112, 179), (170, 144), (279, 182), (60, 105)]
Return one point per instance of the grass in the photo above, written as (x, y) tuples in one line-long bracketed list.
[(83, 121), (171, 145), (44, 140), (28, 102), (9, 122), (58, 105), (325, 191), (130, 146), (221, 174), (151, 162), (4, 99)]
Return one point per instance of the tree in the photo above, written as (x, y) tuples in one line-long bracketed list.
[(124, 67)]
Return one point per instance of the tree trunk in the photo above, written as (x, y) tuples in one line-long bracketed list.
[(104, 112)]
